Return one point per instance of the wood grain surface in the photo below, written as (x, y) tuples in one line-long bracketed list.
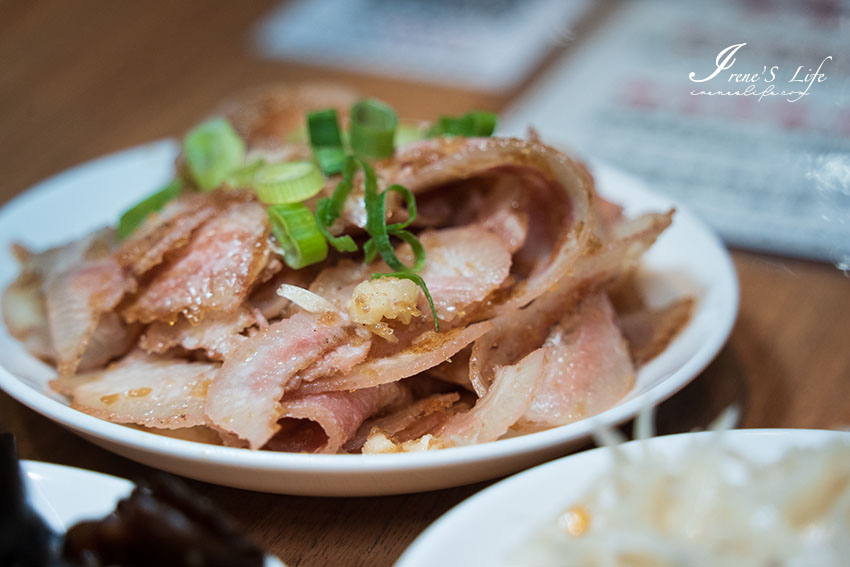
[(80, 79)]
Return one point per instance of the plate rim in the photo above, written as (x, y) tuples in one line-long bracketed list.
[(229, 457)]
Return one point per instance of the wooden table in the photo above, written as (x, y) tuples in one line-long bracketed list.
[(80, 79)]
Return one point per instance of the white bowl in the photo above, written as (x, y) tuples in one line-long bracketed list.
[(493, 524)]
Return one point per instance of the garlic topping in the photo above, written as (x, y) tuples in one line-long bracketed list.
[(383, 298)]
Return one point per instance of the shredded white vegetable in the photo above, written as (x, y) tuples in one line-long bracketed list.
[(306, 299), (707, 506)]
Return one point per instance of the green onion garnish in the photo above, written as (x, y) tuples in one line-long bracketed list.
[(409, 203), (379, 232), (373, 125), (474, 124), (483, 123), (408, 132), (294, 227), (372, 135), (213, 150), (330, 159), (326, 140), (291, 182), (330, 209), (244, 176), (136, 215), (323, 126)]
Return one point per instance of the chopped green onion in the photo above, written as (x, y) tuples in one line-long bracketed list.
[(408, 132), (294, 227), (292, 182), (213, 150), (409, 203), (326, 140), (342, 243), (416, 245), (323, 127), (376, 226), (373, 125), (379, 233), (330, 159), (474, 124), (244, 176), (330, 209), (483, 123), (136, 215), (370, 252), (451, 126)]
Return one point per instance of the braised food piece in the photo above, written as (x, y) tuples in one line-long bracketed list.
[(161, 523)]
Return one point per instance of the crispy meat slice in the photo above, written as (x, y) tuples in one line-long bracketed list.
[(143, 389), (244, 399), (214, 272), (322, 423), (520, 331), (166, 231), (504, 403), (427, 351), (649, 331), (217, 335), (587, 368)]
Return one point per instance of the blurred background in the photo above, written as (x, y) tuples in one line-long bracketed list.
[(607, 80)]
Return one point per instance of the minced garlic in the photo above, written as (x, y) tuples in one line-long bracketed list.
[(383, 298)]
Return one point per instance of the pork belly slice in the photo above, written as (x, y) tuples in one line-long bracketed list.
[(76, 300), (336, 283), (412, 421), (244, 399), (339, 360), (501, 215), (267, 116), (111, 339), (64, 292), (455, 370), (587, 369), (165, 231), (649, 331), (59, 304), (214, 272), (143, 389), (518, 332), (322, 423), (562, 225), (265, 297), (504, 403), (217, 335), (464, 265), (427, 351), (25, 315)]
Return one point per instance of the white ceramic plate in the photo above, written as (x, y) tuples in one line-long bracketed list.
[(687, 260), (491, 526), (64, 496)]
